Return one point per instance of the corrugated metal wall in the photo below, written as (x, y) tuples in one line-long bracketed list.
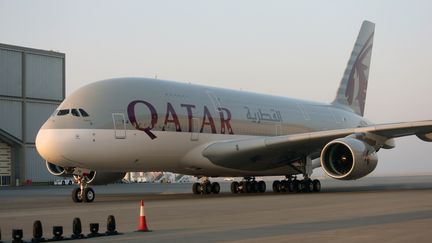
[(11, 117), (30, 90), (35, 169), (10, 73), (37, 113), (44, 75), (5, 164)]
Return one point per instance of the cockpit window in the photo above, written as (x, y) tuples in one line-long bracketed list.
[(63, 112), (75, 112), (83, 113)]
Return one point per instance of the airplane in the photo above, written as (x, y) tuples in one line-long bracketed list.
[(109, 127)]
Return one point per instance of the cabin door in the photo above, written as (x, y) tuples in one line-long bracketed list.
[(119, 125)]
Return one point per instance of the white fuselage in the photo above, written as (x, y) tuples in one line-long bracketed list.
[(151, 125)]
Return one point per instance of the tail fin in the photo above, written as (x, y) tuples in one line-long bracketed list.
[(353, 86)]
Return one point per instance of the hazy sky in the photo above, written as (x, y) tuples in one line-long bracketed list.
[(288, 48)]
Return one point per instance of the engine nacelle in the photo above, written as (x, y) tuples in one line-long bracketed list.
[(348, 159), (103, 178), (55, 169), (95, 178)]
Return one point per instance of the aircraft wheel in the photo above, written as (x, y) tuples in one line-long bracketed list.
[(307, 185), (289, 186), (248, 187), (276, 186), (234, 187), (215, 188), (242, 187), (261, 186), (89, 195), (76, 195), (301, 186), (282, 186), (196, 188), (296, 186), (316, 185), (207, 186), (254, 186)]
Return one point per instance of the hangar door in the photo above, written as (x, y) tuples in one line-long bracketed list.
[(5, 164)]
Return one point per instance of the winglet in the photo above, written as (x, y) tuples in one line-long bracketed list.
[(353, 86)]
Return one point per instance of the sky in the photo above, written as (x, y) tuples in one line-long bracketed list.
[(288, 48)]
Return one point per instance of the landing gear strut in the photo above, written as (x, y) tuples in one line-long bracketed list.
[(82, 193), (206, 187), (249, 185)]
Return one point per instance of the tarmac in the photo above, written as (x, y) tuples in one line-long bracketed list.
[(372, 209)]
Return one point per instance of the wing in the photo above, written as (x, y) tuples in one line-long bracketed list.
[(259, 153)]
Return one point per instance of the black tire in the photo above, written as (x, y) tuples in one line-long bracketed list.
[(242, 187), (282, 186), (234, 187), (261, 186), (70, 183), (89, 195), (289, 186), (215, 188), (276, 186), (63, 183), (76, 195), (207, 188), (301, 186), (307, 185), (196, 188), (296, 186), (248, 186), (254, 186), (311, 186), (316, 185)]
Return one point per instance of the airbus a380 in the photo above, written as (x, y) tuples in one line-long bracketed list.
[(112, 126)]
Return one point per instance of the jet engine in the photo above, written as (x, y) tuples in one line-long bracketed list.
[(348, 158), (55, 169), (94, 178)]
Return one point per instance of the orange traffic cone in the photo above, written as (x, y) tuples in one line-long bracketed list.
[(142, 220)]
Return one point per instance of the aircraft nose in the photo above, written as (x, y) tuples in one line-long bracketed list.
[(46, 145)]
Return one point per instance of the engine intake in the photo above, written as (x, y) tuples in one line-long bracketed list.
[(55, 169), (348, 159)]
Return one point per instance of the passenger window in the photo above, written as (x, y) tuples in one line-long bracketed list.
[(75, 112), (83, 113), (63, 112)]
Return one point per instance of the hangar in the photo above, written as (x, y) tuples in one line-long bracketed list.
[(32, 85)]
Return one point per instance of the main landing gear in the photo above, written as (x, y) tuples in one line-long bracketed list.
[(249, 185), (206, 187), (82, 193), (294, 185)]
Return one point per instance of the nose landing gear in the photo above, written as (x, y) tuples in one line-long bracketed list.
[(83, 193)]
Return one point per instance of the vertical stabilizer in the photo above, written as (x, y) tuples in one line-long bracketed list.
[(353, 86)]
